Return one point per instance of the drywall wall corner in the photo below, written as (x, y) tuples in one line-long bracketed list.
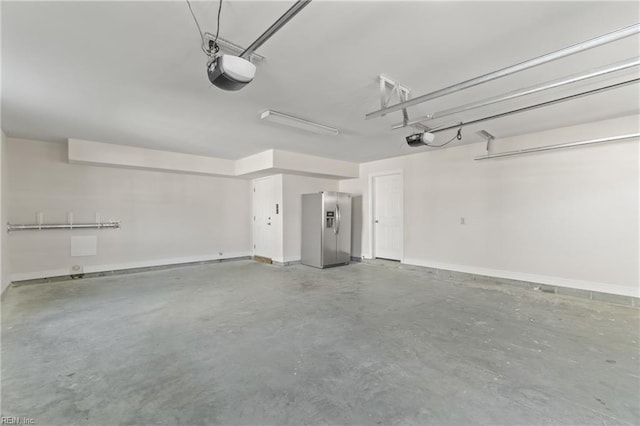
[(5, 272)]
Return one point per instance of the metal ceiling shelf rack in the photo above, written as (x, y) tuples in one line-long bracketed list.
[(539, 105), (559, 146), (540, 60), (552, 84)]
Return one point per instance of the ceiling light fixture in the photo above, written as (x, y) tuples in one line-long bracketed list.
[(297, 122)]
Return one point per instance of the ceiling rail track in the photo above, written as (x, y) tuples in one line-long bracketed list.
[(559, 146), (286, 17), (552, 84), (540, 60), (539, 105)]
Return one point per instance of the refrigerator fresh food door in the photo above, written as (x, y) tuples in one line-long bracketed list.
[(343, 254), (329, 231), (312, 230)]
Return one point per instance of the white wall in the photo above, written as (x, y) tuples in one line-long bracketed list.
[(107, 154), (166, 217), (566, 217), (5, 272), (293, 188), (269, 162), (254, 163), (302, 164)]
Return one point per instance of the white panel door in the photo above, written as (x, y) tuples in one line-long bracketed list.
[(263, 213), (387, 216)]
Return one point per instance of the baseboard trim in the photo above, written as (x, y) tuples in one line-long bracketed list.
[(19, 279), (287, 263), (4, 292), (262, 259), (582, 289)]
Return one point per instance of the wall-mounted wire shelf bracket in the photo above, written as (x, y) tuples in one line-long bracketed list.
[(42, 227)]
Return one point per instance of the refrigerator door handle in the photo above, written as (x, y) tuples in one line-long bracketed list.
[(337, 227)]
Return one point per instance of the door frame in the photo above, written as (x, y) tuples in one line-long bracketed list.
[(372, 234), (253, 215)]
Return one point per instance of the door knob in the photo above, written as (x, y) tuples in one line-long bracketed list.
[(376, 220)]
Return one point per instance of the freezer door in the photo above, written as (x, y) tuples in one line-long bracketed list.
[(343, 254), (329, 229), (312, 229)]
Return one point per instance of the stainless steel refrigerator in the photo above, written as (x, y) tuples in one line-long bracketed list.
[(326, 229)]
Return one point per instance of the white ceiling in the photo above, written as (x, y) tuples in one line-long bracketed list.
[(133, 73)]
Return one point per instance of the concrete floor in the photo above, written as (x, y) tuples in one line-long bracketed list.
[(248, 343)]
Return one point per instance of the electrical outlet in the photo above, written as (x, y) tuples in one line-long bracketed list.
[(77, 271)]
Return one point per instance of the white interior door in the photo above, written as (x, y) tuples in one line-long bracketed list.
[(263, 215), (387, 216)]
